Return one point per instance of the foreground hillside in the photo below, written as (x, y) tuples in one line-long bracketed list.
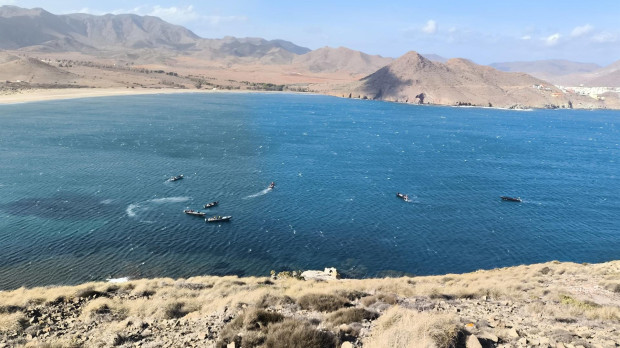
[(553, 304)]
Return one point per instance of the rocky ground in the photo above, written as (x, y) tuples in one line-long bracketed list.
[(548, 305)]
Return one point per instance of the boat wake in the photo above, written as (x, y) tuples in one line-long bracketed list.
[(261, 193), (135, 208)]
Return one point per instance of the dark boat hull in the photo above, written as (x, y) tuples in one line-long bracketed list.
[(510, 199)]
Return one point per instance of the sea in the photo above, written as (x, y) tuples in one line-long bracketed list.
[(85, 192)]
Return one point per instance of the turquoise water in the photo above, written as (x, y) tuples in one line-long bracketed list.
[(84, 192)]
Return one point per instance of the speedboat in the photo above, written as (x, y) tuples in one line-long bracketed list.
[(175, 178), (212, 204), (272, 185), (194, 212), (402, 196), (511, 199), (218, 218)]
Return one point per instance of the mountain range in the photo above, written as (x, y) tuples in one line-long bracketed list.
[(121, 50)]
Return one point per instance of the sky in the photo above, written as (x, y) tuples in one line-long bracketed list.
[(484, 31)]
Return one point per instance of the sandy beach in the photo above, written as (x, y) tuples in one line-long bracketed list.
[(34, 95)]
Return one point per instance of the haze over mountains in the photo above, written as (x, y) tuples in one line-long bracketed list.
[(121, 50)]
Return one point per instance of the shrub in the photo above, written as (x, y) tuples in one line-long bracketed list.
[(352, 295), (298, 334), (89, 292), (322, 302), (14, 322), (351, 315), (269, 300), (174, 310), (258, 318), (406, 328), (567, 300), (545, 270), (104, 308), (369, 300)]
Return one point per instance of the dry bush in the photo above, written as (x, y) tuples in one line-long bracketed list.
[(351, 315), (369, 300), (14, 322), (292, 333), (248, 329), (178, 309), (270, 300), (89, 292), (104, 308), (258, 319), (322, 302), (400, 327), (352, 294)]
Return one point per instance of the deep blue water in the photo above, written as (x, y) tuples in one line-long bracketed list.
[(84, 196)]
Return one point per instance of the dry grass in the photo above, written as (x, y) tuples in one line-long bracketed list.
[(104, 309), (552, 290), (292, 333), (351, 315), (400, 327), (14, 322), (322, 302)]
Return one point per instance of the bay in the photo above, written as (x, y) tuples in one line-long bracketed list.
[(84, 191)]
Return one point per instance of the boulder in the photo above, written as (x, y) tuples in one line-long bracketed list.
[(472, 342)]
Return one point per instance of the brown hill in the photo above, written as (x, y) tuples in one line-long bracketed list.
[(415, 79), (608, 76), (18, 69), (328, 59)]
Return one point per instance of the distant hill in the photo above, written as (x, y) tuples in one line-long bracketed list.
[(567, 73), (557, 71), (39, 30), (415, 79), (608, 76), (37, 27), (546, 68), (328, 59)]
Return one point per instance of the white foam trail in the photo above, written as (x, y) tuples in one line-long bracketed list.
[(263, 192), (134, 208), (131, 210), (107, 201), (118, 280), (169, 200)]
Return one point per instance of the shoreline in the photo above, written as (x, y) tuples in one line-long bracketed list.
[(52, 94), (38, 95)]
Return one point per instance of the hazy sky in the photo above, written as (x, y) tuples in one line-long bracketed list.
[(484, 31)]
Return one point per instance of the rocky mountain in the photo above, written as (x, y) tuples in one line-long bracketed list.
[(39, 30), (261, 50), (328, 59), (415, 79), (45, 31)]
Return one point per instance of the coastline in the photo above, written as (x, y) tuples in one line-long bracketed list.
[(37, 95)]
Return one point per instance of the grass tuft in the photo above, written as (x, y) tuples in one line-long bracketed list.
[(322, 302), (297, 333), (351, 315)]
